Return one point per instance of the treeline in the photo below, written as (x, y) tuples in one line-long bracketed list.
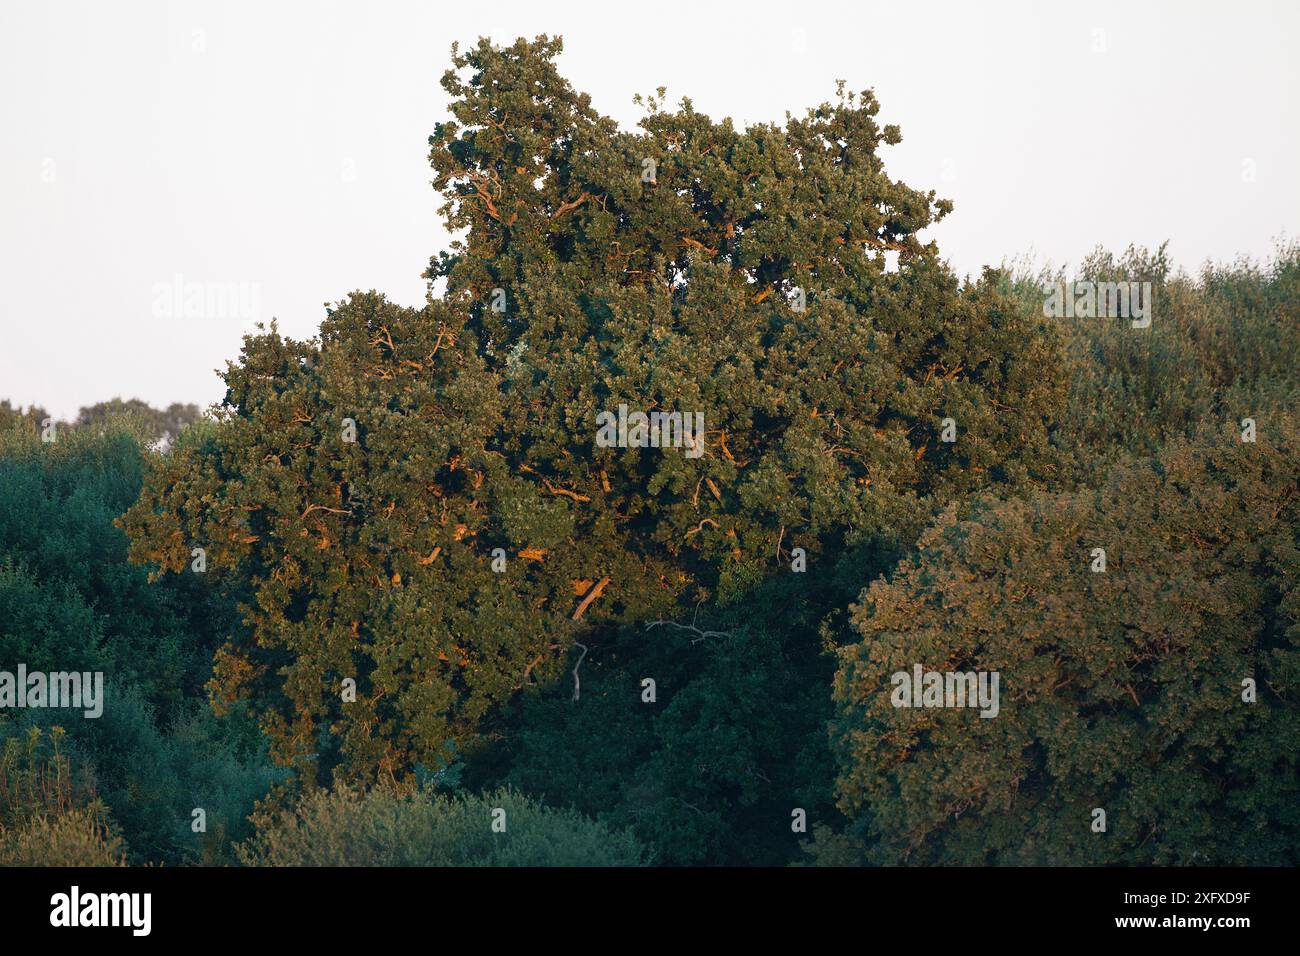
[(393, 604), (151, 424)]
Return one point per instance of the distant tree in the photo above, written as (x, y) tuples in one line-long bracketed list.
[(161, 424), (11, 415), (1221, 346), (1120, 690)]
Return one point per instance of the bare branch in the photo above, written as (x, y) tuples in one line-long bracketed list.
[(703, 635), (576, 686)]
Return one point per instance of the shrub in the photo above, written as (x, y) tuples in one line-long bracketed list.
[(49, 814), (37, 777), (383, 827), (78, 837)]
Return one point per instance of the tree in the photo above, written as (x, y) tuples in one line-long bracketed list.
[(742, 274), (350, 482), (363, 482), (70, 601), (71, 598), (160, 424), (1123, 690), (11, 415), (1220, 346)]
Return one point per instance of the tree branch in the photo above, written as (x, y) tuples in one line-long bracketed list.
[(591, 596)]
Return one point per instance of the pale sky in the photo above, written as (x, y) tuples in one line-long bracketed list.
[(275, 152)]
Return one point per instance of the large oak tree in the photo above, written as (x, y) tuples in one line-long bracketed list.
[(772, 279)]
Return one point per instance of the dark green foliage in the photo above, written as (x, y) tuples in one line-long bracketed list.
[(735, 741), (49, 815), (69, 597), (148, 778), (37, 778), (69, 600), (48, 626), (152, 778)]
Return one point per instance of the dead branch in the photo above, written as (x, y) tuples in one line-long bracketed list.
[(576, 686), (703, 635)]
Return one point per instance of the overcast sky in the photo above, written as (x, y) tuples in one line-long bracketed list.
[(274, 153)]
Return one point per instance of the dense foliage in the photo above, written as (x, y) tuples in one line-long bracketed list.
[(1120, 690), (393, 582), (361, 482), (70, 601)]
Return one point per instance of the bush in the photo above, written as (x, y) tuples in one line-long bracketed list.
[(78, 837), (348, 827), (49, 814), (37, 777)]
